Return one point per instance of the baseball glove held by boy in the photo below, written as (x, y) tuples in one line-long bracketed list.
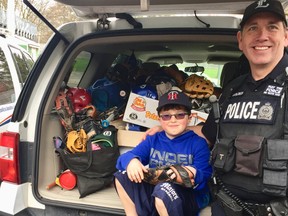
[(159, 174)]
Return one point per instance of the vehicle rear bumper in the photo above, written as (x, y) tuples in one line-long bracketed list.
[(16, 198)]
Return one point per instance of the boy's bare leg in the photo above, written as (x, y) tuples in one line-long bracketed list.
[(128, 205), (161, 209)]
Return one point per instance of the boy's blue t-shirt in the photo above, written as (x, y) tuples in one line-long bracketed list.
[(188, 149)]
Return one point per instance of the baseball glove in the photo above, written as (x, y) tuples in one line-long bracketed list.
[(64, 110), (177, 75), (84, 113), (77, 141), (198, 87), (85, 119), (159, 174)]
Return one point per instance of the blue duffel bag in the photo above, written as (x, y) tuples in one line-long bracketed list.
[(107, 94)]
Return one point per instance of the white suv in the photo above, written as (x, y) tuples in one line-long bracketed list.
[(195, 35), (15, 65)]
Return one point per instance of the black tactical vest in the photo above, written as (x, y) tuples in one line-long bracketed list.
[(251, 154)]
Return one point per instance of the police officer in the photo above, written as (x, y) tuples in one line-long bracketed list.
[(249, 134), (251, 149)]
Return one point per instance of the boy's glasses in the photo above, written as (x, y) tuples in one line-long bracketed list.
[(167, 117)]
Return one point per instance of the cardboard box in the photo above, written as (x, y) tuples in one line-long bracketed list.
[(129, 138), (141, 110)]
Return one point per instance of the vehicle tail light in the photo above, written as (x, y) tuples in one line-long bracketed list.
[(9, 169)]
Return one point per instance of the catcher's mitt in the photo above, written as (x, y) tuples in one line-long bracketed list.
[(156, 175), (198, 87)]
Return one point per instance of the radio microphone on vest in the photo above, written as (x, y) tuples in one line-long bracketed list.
[(215, 107)]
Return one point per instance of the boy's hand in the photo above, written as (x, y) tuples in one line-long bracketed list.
[(135, 170), (152, 131)]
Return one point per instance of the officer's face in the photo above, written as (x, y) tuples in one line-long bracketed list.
[(262, 40)]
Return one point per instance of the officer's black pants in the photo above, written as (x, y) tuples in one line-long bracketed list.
[(217, 210)]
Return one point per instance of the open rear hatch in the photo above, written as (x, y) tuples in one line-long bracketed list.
[(92, 8)]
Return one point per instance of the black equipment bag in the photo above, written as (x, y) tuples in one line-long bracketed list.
[(95, 167)]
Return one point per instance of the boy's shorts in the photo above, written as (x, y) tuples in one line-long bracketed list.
[(179, 201)]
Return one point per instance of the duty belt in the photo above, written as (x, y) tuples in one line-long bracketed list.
[(260, 209)]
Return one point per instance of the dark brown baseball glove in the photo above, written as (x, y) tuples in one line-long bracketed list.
[(177, 75), (159, 174)]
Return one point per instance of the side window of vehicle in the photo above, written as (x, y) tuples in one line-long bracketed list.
[(29, 61), (79, 67), (23, 66), (7, 94)]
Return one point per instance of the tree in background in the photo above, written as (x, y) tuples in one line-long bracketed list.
[(54, 12)]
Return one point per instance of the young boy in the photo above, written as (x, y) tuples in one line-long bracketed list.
[(174, 145)]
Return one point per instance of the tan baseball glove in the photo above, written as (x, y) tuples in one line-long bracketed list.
[(159, 174), (198, 87), (77, 141)]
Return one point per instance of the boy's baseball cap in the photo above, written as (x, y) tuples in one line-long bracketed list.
[(174, 97), (272, 6)]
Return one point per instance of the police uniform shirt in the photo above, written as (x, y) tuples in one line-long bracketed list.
[(246, 104)]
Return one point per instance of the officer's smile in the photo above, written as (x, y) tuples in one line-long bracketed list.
[(261, 48)]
